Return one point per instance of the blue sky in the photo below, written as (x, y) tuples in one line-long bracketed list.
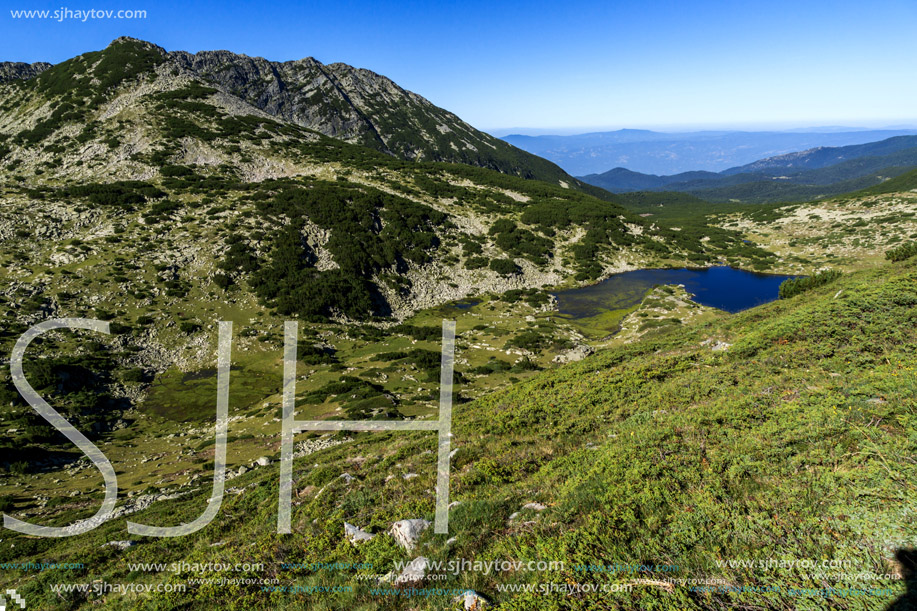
[(563, 66)]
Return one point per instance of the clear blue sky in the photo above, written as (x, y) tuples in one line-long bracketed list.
[(557, 64)]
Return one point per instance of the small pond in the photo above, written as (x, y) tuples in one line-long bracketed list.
[(724, 288)]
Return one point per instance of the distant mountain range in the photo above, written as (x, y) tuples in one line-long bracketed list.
[(811, 174), (672, 153)]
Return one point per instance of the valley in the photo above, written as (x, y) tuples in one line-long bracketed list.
[(164, 192)]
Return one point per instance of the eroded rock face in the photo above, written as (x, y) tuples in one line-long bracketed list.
[(359, 106), (12, 71)]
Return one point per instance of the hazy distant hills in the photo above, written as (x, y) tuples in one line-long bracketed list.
[(822, 157), (811, 174), (671, 153)]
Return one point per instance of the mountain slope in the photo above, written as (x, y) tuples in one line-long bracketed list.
[(337, 100), (124, 115), (825, 156), (795, 441)]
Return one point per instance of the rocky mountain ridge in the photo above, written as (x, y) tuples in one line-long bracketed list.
[(11, 71), (350, 104)]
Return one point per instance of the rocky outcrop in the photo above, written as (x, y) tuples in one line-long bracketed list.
[(355, 534), (407, 532), (13, 71), (577, 353), (362, 107)]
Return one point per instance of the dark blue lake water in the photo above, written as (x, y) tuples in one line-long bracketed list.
[(725, 288)]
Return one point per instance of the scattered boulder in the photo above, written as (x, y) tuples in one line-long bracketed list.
[(355, 534), (263, 461), (529, 506), (307, 491), (471, 601), (120, 544), (577, 353), (407, 532)]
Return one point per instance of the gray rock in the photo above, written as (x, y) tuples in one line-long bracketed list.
[(355, 534), (120, 544), (408, 532), (471, 601), (14, 71), (263, 461), (577, 353)]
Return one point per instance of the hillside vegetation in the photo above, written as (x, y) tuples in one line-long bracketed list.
[(795, 443), (166, 192), (337, 100)]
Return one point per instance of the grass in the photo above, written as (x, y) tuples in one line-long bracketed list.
[(796, 443)]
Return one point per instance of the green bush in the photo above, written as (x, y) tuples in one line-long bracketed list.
[(795, 286), (419, 333), (905, 251), (176, 170), (222, 280), (133, 375), (188, 327), (504, 267), (533, 341), (476, 262)]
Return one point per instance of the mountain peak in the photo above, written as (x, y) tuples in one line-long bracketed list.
[(351, 104), (136, 42)]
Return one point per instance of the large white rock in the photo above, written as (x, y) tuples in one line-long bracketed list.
[(407, 532), (471, 601), (576, 354), (355, 534)]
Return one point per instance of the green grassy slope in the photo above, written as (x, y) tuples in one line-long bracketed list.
[(904, 182), (795, 444)]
